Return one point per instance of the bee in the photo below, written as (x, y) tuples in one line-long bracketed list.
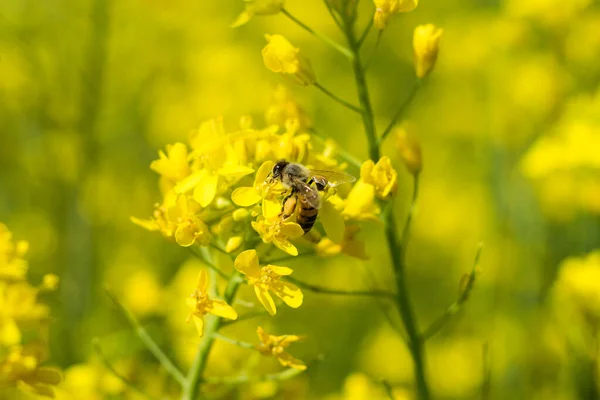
[(304, 185)]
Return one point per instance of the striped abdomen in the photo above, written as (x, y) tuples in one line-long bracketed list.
[(307, 215)]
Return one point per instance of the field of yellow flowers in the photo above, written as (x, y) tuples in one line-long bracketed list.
[(150, 248)]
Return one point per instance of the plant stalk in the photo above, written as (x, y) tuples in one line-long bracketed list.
[(403, 302)]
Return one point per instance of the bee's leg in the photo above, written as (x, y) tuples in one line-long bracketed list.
[(288, 206), (319, 182)]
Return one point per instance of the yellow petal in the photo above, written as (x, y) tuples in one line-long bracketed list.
[(287, 246), (233, 243), (287, 360), (235, 171), (149, 224), (333, 222), (263, 171), (245, 196), (262, 335), (189, 182), (271, 209), (292, 230), (242, 19), (9, 332), (289, 293), (202, 281), (280, 270), (185, 235), (206, 190), (266, 300), (222, 309), (199, 322), (247, 263)]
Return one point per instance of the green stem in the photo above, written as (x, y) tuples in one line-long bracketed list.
[(211, 326), (239, 380), (324, 38), (164, 360), (403, 107), (336, 98), (402, 299), (235, 342), (319, 289), (455, 307), (198, 252), (113, 370), (363, 37), (409, 217), (374, 51)]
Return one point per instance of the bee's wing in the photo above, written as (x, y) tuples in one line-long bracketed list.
[(308, 193), (331, 178)]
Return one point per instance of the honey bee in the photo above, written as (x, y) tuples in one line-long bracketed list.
[(304, 185)]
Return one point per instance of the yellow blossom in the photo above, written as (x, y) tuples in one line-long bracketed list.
[(409, 150), (283, 107), (350, 245), (245, 196), (268, 278), (201, 304), (189, 227), (276, 346), (382, 176), (50, 282), (278, 232), (384, 9), (281, 56), (12, 265), (21, 368), (426, 42), (578, 278), (257, 7), (360, 204), (173, 165)]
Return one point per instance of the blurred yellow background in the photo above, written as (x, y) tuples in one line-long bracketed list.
[(509, 123)]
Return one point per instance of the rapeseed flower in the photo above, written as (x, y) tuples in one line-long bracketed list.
[(257, 7), (268, 279), (201, 304), (426, 43), (276, 346), (280, 56), (382, 176), (384, 9)]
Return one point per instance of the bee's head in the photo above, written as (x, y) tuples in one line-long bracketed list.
[(278, 169)]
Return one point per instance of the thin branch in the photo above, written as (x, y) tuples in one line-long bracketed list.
[(455, 307), (388, 389), (244, 317), (319, 289), (403, 107), (411, 211), (141, 332), (486, 385), (219, 249), (288, 257), (198, 253), (338, 99), (346, 155), (333, 16), (374, 51), (239, 380), (363, 37), (324, 38), (109, 366), (238, 343)]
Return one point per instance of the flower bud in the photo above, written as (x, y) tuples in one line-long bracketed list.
[(280, 56), (384, 9), (257, 7), (409, 150), (233, 243), (426, 41)]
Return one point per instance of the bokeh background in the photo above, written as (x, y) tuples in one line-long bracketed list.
[(509, 123)]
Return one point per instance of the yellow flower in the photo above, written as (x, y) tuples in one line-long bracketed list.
[(350, 245), (12, 265), (381, 175), (280, 56), (245, 196), (384, 9), (257, 7), (173, 165), (21, 368), (360, 204), (200, 304), (160, 220), (278, 232), (189, 227), (578, 278), (268, 278), (409, 150), (275, 346), (426, 42)]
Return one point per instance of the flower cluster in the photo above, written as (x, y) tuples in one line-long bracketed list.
[(23, 323)]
